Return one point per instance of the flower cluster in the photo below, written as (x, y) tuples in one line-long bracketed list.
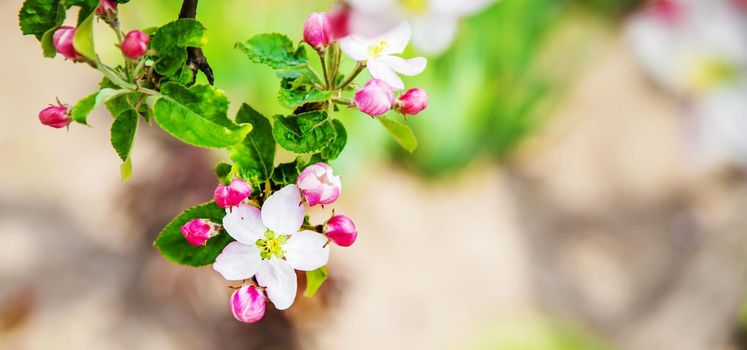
[(273, 240)]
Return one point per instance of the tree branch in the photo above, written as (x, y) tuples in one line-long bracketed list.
[(195, 57)]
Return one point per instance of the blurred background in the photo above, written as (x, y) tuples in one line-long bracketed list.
[(579, 184)]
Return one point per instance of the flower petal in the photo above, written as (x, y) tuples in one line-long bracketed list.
[(354, 48), (306, 251), (238, 261), (397, 38), (283, 212), (380, 70), (434, 33), (244, 224), (280, 280), (413, 66)]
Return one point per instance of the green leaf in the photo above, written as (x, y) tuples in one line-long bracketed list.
[(223, 171), (333, 150), (170, 43), (197, 116), (255, 155), (172, 245), (125, 170), (299, 97), (277, 51), (38, 17), (80, 111), (286, 173), (123, 133), (314, 280), (401, 133), (304, 133), (83, 39)]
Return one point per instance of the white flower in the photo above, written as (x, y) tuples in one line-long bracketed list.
[(269, 245), (379, 53), (435, 22)]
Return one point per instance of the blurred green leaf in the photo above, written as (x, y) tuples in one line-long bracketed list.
[(401, 133), (314, 280), (83, 39)]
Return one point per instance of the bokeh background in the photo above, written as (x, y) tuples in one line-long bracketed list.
[(564, 195)]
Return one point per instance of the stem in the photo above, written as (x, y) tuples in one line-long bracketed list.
[(120, 40), (313, 72), (327, 83), (358, 69), (195, 57), (342, 101), (336, 56)]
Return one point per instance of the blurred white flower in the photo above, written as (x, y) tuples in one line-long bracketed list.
[(434, 22)]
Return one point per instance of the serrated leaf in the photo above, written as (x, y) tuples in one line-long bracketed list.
[(314, 280), (123, 133), (83, 39), (277, 51), (172, 245), (80, 111), (333, 150), (401, 133), (304, 133), (297, 97), (255, 155), (170, 43), (197, 116), (37, 17)]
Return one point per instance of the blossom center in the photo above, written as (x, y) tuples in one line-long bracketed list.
[(378, 49), (415, 6), (271, 245), (711, 73)]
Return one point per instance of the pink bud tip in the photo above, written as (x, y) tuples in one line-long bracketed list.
[(339, 20), (668, 10), (231, 195), (341, 230), (376, 98), (413, 101), (199, 231), (248, 304), (317, 31), (106, 7), (55, 116), (63, 43), (319, 185), (135, 44)]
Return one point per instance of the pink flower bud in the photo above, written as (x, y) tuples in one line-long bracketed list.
[(231, 195), (413, 101), (248, 304), (376, 98), (199, 231), (668, 10), (318, 185), (339, 20), (55, 116), (317, 31), (135, 44), (341, 230), (63, 43), (106, 7)]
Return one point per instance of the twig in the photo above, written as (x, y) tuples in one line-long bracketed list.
[(195, 57)]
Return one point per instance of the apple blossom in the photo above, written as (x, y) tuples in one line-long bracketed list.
[(378, 53), (63, 43), (269, 245), (319, 185), (412, 102), (317, 31), (55, 116), (198, 231), (248, 304), (106, 7), (135, 44), (341, 230), (375, 98), (233, 194)]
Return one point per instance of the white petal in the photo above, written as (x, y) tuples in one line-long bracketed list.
[(306, 251), (413, 66), (238, 261), (397, 38), (283, 212), (354, 48), (244, 224), (434, 34), (280, 280), (458, 8), (380, 70)]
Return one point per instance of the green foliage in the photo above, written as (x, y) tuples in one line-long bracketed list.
[(223, 171), (80, 111), (333, 150), (83, 39), (276, 51), (297, 92), (304, 133), (37, 17), (173, 246), (170, 43), (401, 133), (123, 133), (314, 280), (197, 116), (255, 155), (286, 173)]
